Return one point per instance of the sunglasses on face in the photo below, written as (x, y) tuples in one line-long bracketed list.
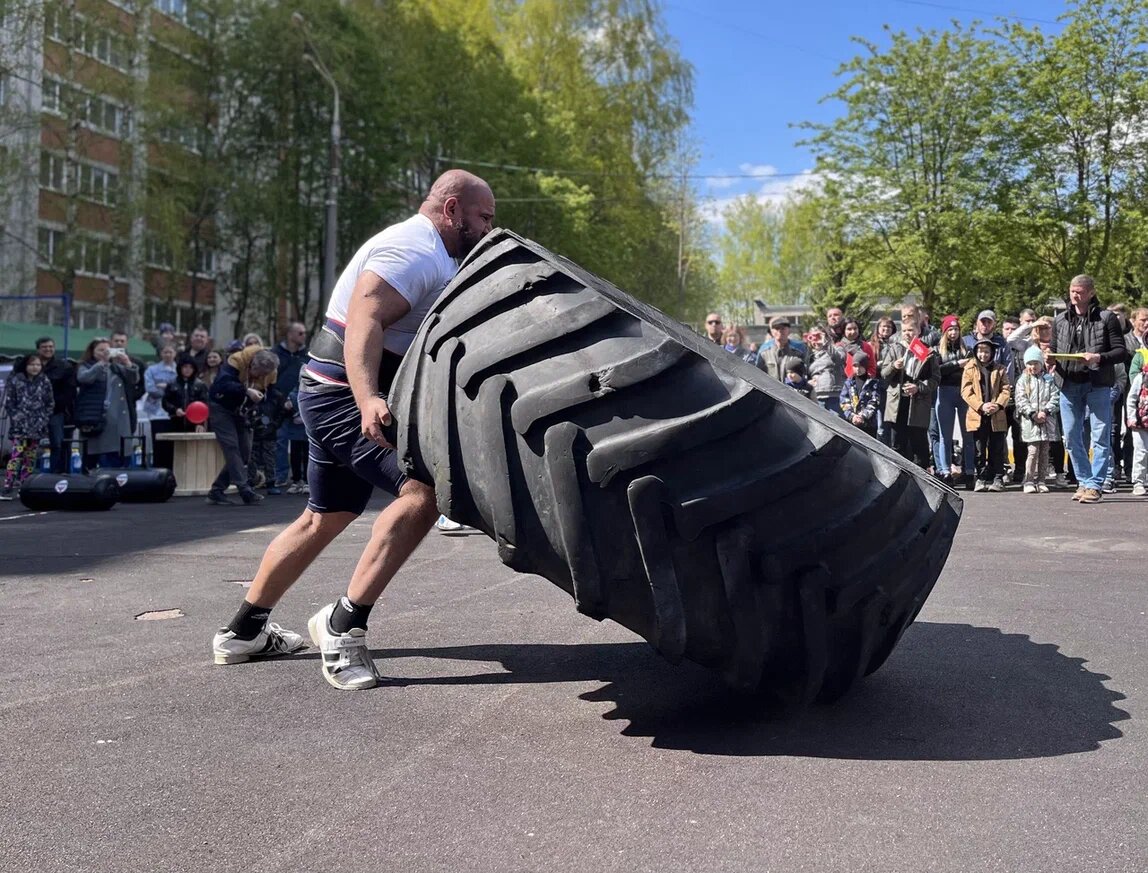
[(718, 321)]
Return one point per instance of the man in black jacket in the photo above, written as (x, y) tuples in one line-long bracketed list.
[(1086, 382)]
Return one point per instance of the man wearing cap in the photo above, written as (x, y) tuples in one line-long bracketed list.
[(714, 328), (986, 329), (773, 358), (1086, 382)]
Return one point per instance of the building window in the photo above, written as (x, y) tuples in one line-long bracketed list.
[(97, 256), (156, 312), (100, 113), (51, 95), (98, 184), (157, 254), (51, 245), (89, 38), (205, 262), (175, 8), (51, 171)]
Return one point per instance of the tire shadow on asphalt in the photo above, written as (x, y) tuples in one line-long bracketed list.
[(949, 692)]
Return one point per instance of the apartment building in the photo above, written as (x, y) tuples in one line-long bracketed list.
[(77, 154)]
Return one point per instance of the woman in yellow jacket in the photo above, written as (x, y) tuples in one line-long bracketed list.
[(986, 389)]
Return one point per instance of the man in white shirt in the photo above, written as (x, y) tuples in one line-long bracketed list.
[(376, 308)]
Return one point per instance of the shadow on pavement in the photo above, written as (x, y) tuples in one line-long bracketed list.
[(950, 692)]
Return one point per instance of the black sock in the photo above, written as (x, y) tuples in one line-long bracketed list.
[(249, 620), (348, 614)]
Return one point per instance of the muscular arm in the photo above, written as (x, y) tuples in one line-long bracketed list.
[(374, 306)]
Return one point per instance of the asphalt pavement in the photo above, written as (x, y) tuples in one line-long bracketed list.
[(1003, 734)]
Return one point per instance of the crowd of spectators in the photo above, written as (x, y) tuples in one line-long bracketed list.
[(1032, 401), (107, 409)]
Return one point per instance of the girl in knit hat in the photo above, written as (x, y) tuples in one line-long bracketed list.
[(1037, 402)]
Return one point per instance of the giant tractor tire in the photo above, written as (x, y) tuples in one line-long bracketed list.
[(662, 482)]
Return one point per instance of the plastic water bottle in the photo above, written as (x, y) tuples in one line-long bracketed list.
[(137, 456), (76, 461), (45, 456)]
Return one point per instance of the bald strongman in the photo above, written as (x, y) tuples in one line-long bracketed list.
[(376, 307)]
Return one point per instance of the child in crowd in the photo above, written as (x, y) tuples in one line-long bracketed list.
[(985, 388), (795, 376), (29, 403), (862, 395), (1136, 417), (1037, 403), (297, 446), (185, 390), (265, 419)]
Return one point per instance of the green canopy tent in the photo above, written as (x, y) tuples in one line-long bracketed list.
[(19, 339)]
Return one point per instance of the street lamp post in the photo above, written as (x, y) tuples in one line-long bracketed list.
[(331, 232)]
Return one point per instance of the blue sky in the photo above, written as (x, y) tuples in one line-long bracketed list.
[(761, 66)]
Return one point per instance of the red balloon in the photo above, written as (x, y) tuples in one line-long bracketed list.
[(196, 412)]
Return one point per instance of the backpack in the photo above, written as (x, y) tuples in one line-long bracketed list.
[(1142, 403)]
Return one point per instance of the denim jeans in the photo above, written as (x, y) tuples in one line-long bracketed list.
[(947, 407), (831, 404), (1078, 399)]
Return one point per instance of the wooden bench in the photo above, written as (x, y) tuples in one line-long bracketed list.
[(198, 460)]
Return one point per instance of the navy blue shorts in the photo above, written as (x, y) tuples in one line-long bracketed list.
[(343, 465)]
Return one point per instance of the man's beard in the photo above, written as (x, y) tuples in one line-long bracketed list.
[(467, 239)]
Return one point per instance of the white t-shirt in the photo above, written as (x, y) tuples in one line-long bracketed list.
[(412, 259)]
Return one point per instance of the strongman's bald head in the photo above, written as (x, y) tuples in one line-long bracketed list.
[(461, 205)]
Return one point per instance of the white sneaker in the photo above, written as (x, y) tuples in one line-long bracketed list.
[(293, 488), (447, 526), (347, 662), (1042, 488), (1138, 490), (270, 642), (1030, 488)]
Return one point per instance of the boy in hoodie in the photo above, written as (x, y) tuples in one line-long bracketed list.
[(1037, 402), (795, 376), (862, 395), (985, 388)]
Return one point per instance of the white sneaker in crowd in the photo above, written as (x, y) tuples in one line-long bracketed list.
[(270, 642), (1030, 488), (1138, 490), (1042, 488), (347, 662)]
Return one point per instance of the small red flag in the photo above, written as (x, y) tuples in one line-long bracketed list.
[(919, 349)]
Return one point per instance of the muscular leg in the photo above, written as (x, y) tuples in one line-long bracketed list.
[(292, 552), (396, 532)]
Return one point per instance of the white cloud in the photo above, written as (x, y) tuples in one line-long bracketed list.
[(758, 169), (719, 182), (773, 192)]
